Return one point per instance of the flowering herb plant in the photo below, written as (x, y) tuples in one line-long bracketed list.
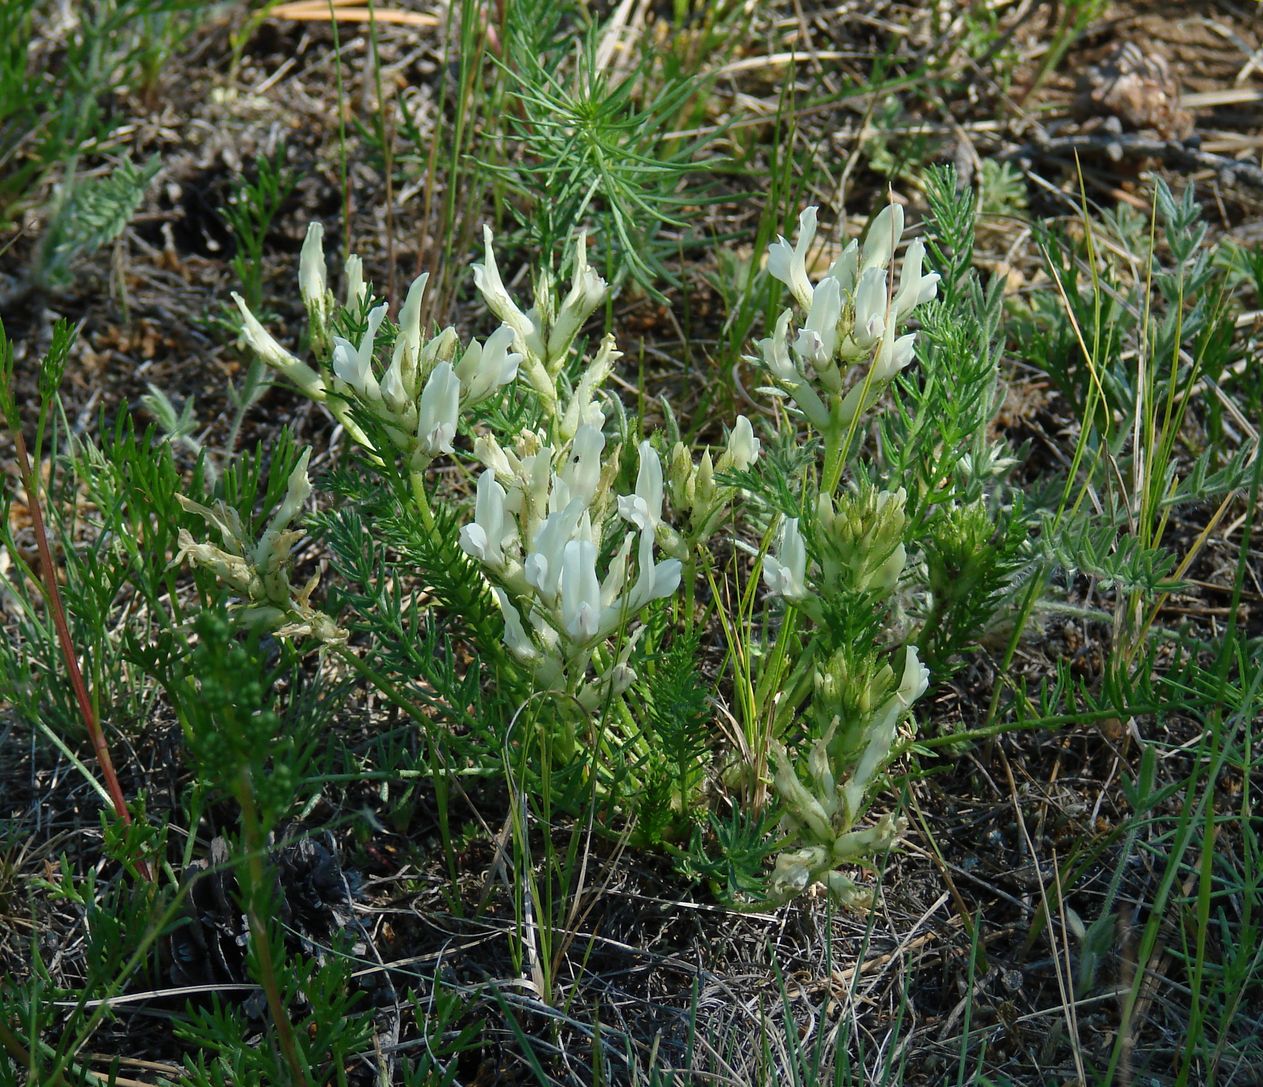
[(594, 572)]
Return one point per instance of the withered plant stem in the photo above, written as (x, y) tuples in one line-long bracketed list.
[(95, 733)]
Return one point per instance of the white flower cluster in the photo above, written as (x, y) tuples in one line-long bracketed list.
[(823, 815), (419, 397), (541, 516), (850, 316), (259, 569), (542, 335)]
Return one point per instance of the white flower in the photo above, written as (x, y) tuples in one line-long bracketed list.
[(355, 366), (775, 351), (881, 730), (484, 539), (915, 680), (653, 580), (846, 268), (515, 636), (440, 407), (616, 679), (776, 357), (914, 288), (644, 508), (818, 338), (580, 591), (399, 384), (272, 353), (582, 471), (800, 804), (883, 237), (587, 292), (792, 871), (892, 356), (743, 447), (268, 553), (491, 454), (786, 573), (870, 307), (440, 349), (543, 564), (491, 287), (789, 263), (615, 579), (486, 367), (581, 402)]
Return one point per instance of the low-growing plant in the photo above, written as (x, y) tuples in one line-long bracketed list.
[(575, 580)]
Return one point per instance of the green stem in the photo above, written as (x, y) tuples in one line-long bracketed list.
[(416, 479), (258, 930), (690, 589), (834, 447), (16, 1049)]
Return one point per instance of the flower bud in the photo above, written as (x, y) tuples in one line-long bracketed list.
[(585, 295), (680, 477), (355, 288), (311, 278), (265, 346)]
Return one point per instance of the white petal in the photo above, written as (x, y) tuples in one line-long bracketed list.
[(883, 237), (515, 636), (870, 307), (580, 591), (789, 263), (438, 411), (311, 269), (743, 447), (473, 541)]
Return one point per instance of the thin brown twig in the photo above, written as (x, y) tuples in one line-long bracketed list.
[(95, 733)]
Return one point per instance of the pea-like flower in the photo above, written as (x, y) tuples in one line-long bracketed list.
[(543, 335), (785, 574), (848, 316), (354, 365), (274, 355), (788, 263), (438, 412), (644, 508)]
